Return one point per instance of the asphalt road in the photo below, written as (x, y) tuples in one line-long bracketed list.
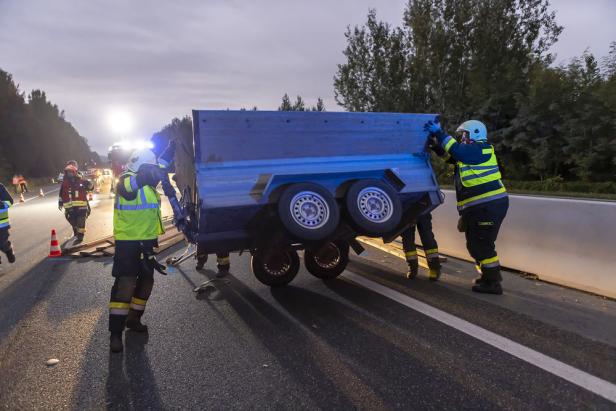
[(310, 345)]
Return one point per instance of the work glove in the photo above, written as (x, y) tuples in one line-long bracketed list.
[(149, 259), (434, 128), (166, 158), (462, 225)]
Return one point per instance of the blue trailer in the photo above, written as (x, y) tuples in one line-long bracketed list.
[(273, 183)]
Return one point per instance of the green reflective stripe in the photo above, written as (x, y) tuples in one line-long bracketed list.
[(448, 142), (482, 198), (472, 175), (486, 151), (7, 204)]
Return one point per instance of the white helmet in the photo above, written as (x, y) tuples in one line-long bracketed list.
[(476, 130), (141, 157)]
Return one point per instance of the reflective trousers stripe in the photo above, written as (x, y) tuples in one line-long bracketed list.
[(137, 304), (223, 260), (410, 255), (489, 262), (431, 252), (118, 308)]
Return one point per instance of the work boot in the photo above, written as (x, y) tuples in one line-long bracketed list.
[(223, 270), (115, 342), (413, 269), (10, 255), (201, 262), (133, 322), (489, 282), (78, 239), (434, 269)]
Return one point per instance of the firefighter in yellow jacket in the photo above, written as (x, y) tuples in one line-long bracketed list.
[(136, 225)]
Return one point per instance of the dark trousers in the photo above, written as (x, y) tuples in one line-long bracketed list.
[(77, 219), (482, 223), (424, 227), (134, 280), (5, 244), (223, 262)]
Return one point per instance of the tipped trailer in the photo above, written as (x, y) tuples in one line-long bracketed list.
[(273, 183)]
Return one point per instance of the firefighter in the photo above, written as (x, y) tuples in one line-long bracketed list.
[(136, 226), (482, 199), (73, 199), (424, 226), (6, 201)]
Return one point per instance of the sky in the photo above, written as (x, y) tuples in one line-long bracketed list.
[(125, 68)]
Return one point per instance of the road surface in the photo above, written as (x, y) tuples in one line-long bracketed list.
[(370, 339)]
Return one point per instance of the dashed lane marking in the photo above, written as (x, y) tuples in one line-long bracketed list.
[(35, 197), (571, 374)]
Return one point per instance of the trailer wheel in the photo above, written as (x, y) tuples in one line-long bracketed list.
[(329, 261), (374, 207), (275, 268), (308, 211)]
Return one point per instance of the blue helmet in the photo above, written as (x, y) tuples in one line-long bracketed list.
[(476, 130)]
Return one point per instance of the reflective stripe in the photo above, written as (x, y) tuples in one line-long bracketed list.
[(131, 184), (4, 223), (448, 142), (78, 203), (115, 304), (482, 174), (467, 168), (223, 260), (486, 151), (138, 301), (410, 253), (478, 269), (482, 198), (431, 252), (118, 311), (489, 262), (81, 230), (144, 203)]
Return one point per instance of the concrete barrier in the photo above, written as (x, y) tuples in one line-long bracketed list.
[(564, 241)]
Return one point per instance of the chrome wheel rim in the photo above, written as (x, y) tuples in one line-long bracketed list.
[(331, 263), (375, 204), (278, 268), (309, 210)]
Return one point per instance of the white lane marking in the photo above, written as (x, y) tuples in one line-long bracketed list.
[(580, 378), (35, 197)]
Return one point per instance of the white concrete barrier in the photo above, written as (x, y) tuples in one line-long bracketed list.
[(565, 241)]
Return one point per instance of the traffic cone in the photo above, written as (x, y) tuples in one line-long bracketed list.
[(54, 248), (21, 198), (41, 194)]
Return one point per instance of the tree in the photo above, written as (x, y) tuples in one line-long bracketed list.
[(299, 104)]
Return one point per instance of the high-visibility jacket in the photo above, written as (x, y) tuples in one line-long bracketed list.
[(6, 201), (140, 218), (477, 177), (74, 192)]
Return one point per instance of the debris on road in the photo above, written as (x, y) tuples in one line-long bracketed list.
[(51, 362)]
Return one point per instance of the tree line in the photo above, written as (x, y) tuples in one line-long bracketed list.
[(36, 139), (490, 60)]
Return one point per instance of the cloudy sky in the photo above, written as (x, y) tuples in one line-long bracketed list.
[(151, 61)]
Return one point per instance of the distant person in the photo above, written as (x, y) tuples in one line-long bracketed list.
[(6, 201), (424, 226), (481, 196), (23, 184), (73, 199)]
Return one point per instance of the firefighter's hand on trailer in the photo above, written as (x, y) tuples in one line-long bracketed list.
[(434, 128)]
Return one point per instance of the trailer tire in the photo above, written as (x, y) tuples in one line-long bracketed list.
[(308, 211), (334, 263), (373, 207), (275, 268)]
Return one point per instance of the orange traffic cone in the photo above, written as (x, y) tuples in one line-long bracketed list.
[(21, 198), (41, 194), (54, 248)]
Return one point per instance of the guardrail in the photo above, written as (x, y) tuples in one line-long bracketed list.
[(565, 241)]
